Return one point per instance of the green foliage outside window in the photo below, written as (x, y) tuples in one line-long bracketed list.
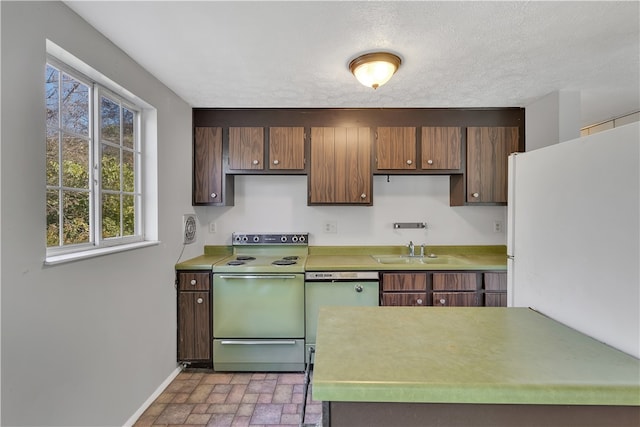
[(67, 147)]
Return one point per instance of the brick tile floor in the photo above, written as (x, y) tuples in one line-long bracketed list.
[(232, 399)]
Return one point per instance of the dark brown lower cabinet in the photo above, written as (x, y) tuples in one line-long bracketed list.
[(444, 288), (456, 299), (404, 289), (194, 319), (404, 298), (495, 288), (455, 290), (495, 299)]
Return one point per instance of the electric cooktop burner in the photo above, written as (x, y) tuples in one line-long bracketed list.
[(236, 262), (284, 261), (245, 258), (291, 257)]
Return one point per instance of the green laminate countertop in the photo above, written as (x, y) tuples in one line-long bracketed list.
[(212, 254), (326, 258), (341, 258), (465, 355)]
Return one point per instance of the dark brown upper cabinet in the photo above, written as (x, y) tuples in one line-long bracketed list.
[(286, 148), (246, 148), (340, 166), (396, 148), (488, 149), (209, 187), (441, 148)]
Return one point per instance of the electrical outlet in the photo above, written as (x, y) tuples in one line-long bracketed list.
[(330, 227), (212, 227), (497, 226)]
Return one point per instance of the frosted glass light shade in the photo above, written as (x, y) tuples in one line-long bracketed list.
[(375, 69)]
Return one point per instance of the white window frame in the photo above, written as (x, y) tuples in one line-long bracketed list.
[(144, 234)]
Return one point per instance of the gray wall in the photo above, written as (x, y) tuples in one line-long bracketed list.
[(83, 343)]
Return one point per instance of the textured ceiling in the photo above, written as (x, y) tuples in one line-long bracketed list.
[(455, 54)]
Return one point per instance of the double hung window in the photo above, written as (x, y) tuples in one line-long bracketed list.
[(93, 164)]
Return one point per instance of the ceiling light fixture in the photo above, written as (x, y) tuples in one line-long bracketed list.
[(375, 69)]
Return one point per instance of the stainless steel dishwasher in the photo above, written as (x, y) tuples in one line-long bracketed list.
[(343, 288)]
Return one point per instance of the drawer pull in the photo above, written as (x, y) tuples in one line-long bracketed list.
[(199, 300), (193, 282)]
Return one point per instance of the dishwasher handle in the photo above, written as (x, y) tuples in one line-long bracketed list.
[(257, 276)]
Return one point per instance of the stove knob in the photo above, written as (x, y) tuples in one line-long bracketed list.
[(294, 239), (256, 239), (245, 239), (238, 238), (283, 239), (302, 238)]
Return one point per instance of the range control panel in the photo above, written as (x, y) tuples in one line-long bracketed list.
[(239, 238)]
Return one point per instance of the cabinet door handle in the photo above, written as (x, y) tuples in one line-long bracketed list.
[(363, 196), (443, 301), (276, 162), (476, 195), (214, 195), (419, 301), (199, 300), (429, 162), (409, 161), (255, 162), (193, 282)]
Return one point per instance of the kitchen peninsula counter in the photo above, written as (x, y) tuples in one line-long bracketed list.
[(468, 366)]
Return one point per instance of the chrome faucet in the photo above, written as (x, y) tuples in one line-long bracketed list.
[(412, 248)]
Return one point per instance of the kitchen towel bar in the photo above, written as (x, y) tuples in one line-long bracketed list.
[(409, 225)]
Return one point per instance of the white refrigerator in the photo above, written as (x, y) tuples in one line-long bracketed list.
[(573, 234)]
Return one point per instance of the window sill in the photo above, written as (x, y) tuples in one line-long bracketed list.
[(77, 256)]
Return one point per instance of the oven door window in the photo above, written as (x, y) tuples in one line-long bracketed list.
[(258, 306)]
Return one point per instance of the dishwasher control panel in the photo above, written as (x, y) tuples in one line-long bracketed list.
[(341, 275)]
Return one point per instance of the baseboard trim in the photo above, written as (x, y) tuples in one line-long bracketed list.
[(131, 421)]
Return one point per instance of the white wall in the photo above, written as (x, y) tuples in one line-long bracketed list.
[(83, 343), (279, 203), (551, 119)]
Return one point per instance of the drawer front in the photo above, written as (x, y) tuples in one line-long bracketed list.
[(495, 299), (194, 281), (404, 281), (258, 355), (404, 299), (454, 281), (455, 299), (495, 281)]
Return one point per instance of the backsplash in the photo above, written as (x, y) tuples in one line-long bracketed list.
[(279, 203)]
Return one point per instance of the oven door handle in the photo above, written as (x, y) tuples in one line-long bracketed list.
[(258, 342), (257, 276)]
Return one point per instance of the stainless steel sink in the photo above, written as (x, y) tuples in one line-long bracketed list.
[(406, 259)]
